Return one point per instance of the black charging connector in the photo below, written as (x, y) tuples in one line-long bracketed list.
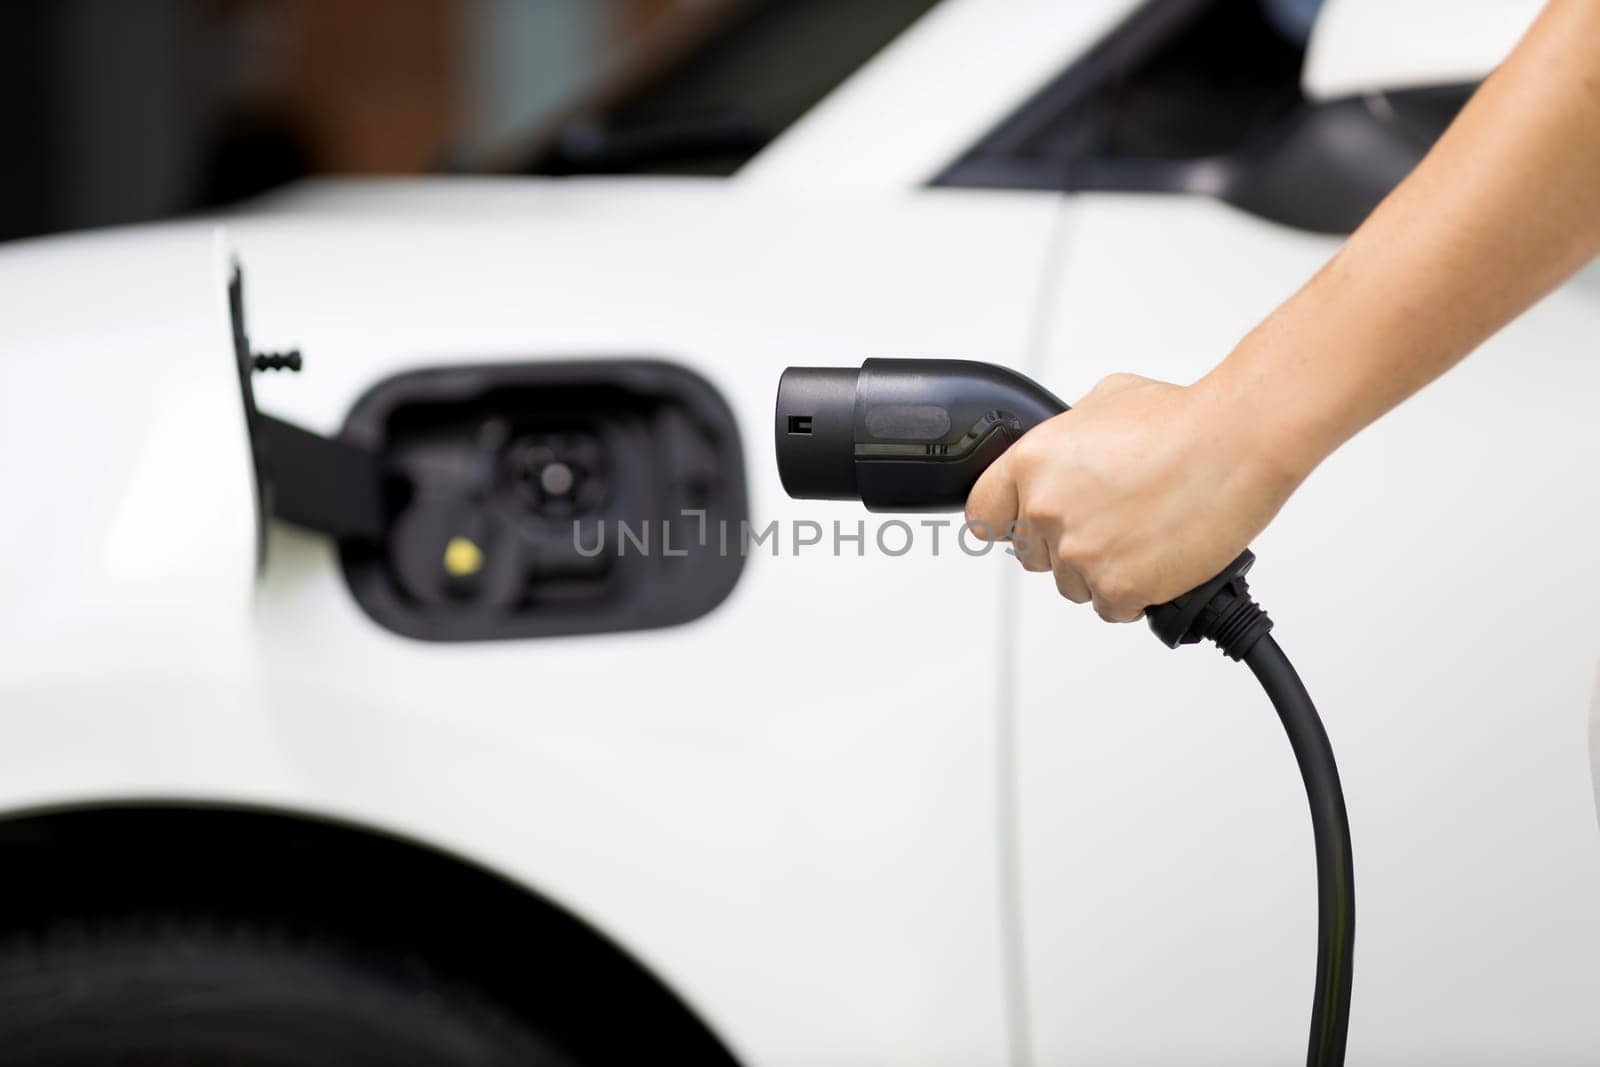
[(915, 435), (1220, 610)]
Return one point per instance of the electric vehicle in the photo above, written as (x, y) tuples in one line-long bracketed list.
[(413, 707)]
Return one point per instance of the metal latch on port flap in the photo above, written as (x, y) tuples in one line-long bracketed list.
[(320, 483)]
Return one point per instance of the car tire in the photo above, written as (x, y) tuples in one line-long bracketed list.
[(230, 992)]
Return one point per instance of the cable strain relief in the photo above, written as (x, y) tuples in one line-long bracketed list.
[(1233, 621), (1184, 620)]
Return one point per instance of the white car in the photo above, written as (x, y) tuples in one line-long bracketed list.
[(330, 732)]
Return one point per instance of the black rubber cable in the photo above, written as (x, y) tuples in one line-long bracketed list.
[(1223, 612), (1330, 827)]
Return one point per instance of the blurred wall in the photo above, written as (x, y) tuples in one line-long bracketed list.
[(120, 111)]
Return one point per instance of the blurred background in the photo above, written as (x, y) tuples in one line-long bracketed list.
[(121, 111)]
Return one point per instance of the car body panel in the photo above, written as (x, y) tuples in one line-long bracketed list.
[(1432, 583), (785, 808)]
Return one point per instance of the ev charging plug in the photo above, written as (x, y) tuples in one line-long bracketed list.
[(915, 435)]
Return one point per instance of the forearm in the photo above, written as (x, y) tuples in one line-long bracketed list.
[(1505, 207)]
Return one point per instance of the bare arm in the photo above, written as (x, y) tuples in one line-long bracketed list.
[(1126, 509)]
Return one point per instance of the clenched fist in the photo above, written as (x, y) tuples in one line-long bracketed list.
[(1141, 492)]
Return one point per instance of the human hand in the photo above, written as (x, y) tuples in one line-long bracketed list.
[(1141, 492)]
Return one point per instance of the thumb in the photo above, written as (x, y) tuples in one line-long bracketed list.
[(992, 504)]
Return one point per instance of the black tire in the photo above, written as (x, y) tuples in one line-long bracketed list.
[(240, 994)]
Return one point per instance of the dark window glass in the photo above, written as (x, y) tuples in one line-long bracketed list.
[(760, 69), (1203, 97), (1181, 79)]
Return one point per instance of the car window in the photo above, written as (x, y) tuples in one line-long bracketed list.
[(765, 64)]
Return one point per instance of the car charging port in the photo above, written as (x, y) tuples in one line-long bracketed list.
[(548, 498)]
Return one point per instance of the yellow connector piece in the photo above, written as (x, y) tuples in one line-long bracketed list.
[(462, 558)]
